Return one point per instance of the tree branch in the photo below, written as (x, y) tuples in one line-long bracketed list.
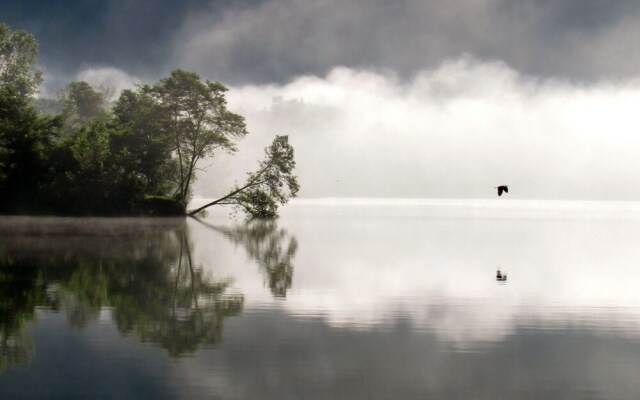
[(248, 185)]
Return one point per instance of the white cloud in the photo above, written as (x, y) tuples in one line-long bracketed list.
[(455, 131), (364, 265), (108, 77)]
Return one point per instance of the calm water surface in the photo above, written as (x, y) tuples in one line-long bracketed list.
[(336, 300)]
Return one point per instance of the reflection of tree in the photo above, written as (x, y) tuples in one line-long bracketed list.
[(142, 272), (184, 310), (18, 298), (272, 248)]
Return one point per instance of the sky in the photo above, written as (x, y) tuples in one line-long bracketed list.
[(405, 98)]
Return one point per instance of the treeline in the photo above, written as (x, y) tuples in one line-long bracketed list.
[(83, 153)]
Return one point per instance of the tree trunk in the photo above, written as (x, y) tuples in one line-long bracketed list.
[(221, 199)]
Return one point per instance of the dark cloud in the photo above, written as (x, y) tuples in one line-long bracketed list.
[(275, 40), (133, 35), (274, 357), (581, 40)]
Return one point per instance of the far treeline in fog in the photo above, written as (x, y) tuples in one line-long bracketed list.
[(82, 154)]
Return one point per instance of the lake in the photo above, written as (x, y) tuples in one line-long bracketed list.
[(338, 299)]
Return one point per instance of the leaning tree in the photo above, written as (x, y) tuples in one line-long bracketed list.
[(273, 184)]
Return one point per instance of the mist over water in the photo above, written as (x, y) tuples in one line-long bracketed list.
[(339, 299)]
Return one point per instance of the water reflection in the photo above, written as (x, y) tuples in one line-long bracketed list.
[(387, 302), (271, 247), (143, 273), (18, 298), (501, 276)]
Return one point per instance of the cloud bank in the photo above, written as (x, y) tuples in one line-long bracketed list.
[(264, 41), (454, 131), (108, 77), (273, 41), (372, 265)]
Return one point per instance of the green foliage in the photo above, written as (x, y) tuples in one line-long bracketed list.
[(147, 140), (25, 143), (80, 103), (256, 203), (100, 180), (93, 160), (18, 55), (273, 184), (198, 121), (48, 105)]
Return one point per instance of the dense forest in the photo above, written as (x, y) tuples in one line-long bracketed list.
[(85, 152)]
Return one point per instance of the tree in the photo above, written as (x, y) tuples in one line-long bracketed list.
[(101, 179), (198, 121), (147, 140), (80, 103), (273, 184), (142, 158), (18, 55), (25, 143)]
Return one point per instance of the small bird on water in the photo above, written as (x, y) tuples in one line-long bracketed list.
[(502, 188), (501, 276)]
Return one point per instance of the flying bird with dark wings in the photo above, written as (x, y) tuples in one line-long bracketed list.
[(502, 188)]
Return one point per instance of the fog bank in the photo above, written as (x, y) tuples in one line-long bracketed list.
[(455, 131)]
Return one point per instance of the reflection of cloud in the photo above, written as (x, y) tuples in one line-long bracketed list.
[(273, 356), (433, 269)]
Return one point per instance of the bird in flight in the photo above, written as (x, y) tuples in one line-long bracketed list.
[(502, 188)]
